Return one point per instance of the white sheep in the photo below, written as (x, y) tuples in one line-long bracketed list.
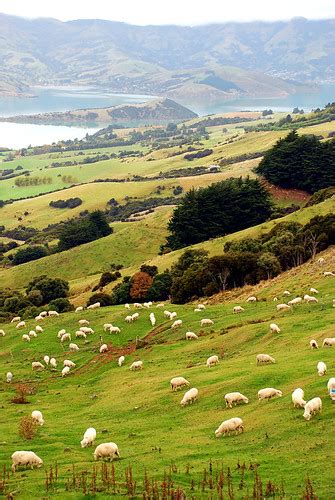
[(176, 324), (286, 293), (152, 319), (235, 398), (80, 335), (66, 337), (232, 425), (16, 319), (39, 329), (190, 396), (238, 309), (46, 359), (146, 304), (329, 341), (127, 306), (264, 358), (121, 360), (269, 393), (79, 309), (136, 365), (178, 382), (39, 318), (252, 299), (103, 348), (73, 347), (9, 377), (86, 329), (2, 333), (83, 322), (160, 305), (25, 458), (21, 324), (296, 300), (96, 305), (313, 290), (65, 371), (298, 398), (114, 329), (313, 344), (26, 337), (69, 363), (128, 319), (61, 332), (191, 336), (310, 298), (52, 314), (321, 368), (36, 365), (167, 314), (32, 333), (106, 451), (206, 322), (275, 299), (201, 306), (44, 314), (197, 310), (89, 437), (173, 315), (283, 307), (37, 417), (331, 387), (212, 360), (312, 407), (53, 363), (107, 326), (274, 328), (137, 305), (135, 316), (321, 260), (328, 273)]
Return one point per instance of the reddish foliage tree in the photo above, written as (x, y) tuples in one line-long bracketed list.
[(140, 284)]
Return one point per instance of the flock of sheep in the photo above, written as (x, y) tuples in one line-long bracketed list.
[(109, 450)]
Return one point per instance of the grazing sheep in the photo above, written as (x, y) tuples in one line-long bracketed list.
[(65, 337), (36, 365), (329, 341), (25, 458), (128, 319), (37, 417), (9, 377), (79, 309), (312, 407), (286, 293), (212, 360), (80, 334), (96, 305), (201, 306), (152, 319), (73, 347), (274, 328), (69, 363), (65, 371), (53, 363), (173, 315), (135, 316), (321, 368), (146, 304), (136, 365), (160, 305), (106, 451), (206, 322), (252, 299), (191, 336), (2, 333), (127, 306), (46, 359), (114, 329), (235, 398), (269, 393), (167, 314), (283, 307), (86, 329), (197, 310), (295, 301), (298, 398), (238, 309), (21, 324), (83, 322), (103, 348), (137, 305), (331, 387), (177, 324), (313, 290), (232, 425), (52, 314), (16, 319), (178, 382), (107, 326), (190, 396), (44, 314), (89, 437), (60, 333), (328, 273), (39, 329), (121, 360), (32, 333), (264, 358), (39, 318), (26, 337), (309, 298), (313, 344)]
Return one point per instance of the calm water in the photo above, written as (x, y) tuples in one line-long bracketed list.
[(69, 98)]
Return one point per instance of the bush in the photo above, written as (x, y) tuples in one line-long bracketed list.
[(27, 427), (50, 288), (140, 284), (28, 254), (22, 391), (69, 203), (61, 305), (80, 231), (103, 298)]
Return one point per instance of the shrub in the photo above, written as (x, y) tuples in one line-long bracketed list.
[(140, 284), (103, 298), (28, 254), (50, 288), (22, 390), (79, 231), (27, 427), (61, 305)]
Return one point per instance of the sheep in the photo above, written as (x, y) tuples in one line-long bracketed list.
[(65, 337), (189, 397), (16, 319), (86, 329), (32, 333), (152, 319), (25, 458), (235, 397), (252, 299), (128, 319), (36, 365), (96, 305), (106, 451), (2, 333), (39, 329), (46, 359), (269, 393), (321, 368), (201, 306), (127, 306), (167, 314), (107, 326), (146, 304), (178, 382), (176, 324), (73, 347), (275, 299), (197, 310), (329, 341), (65, 371), (26, 337), (264, 358), (295, 301), (328, 273), (9, 377), (160, 305), (313, 290), (137, 305), (69, 363), (173, 315), (53, 363), (89, 437), (103, 348), (137, 365), (331, 387), (206, 322), (286, 293), (283, 307), (37, 417), (313, 344), (321, 260), (232, 425), (61, 332), (274, 328), (212, 360), (309, 298), (39, 318), (83, 322), (238, 309), (191, 336), (312, 407), (21, 324), (135, 316), (114, 329), (298, 398), (53, 314), (121, 360), (79, 309), (43, 314), (80, 335)]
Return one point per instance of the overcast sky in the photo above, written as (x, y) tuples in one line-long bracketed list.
[(185, 12)]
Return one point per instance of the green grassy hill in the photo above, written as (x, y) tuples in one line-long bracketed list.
[(138, 411)]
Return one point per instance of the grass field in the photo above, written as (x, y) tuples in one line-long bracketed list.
[(138, 411)]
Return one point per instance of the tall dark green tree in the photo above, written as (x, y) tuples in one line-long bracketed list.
[(84, 230)]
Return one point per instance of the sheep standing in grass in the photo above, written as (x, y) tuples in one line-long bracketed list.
[(25, 458), (295, 301), (189, 397), (321, 368), (89, 437), (86, 329), (26, 337), (2, 333), (107, 326), (79, 309), (274, 328), (313, 290), (36, 365), (191, 336), (329, 341), (283, 307), (160, 305), (103, 348), (235, 398), (252, 299), (53, 363), (128, 319), (286, 293), (232, 425), (39, 318), (173, 315), (313, 344), (65, 371), (212, 360), (135, 316), (137, 305), (46, 359), (16, 319), (167, 314), (238, 309), (298, 398), (152, 319), (206, 322), (136, 365), (80, 335), (96, 305), (65, 338), (310, 299), (269, 393), (32, 333), (114, 329), (83, 322), (121, 360), (312, 407), (328, 273), (37, 417), (73, 347), (69, 363), (178, 383), (39, 329), (127, 306), (21, 324), (264, 358), (52, 314), (9, 377), (176, 324), (106, 451), (61, 333), (45, 313)]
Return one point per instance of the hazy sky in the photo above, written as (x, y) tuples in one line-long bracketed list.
[(186, 12)]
